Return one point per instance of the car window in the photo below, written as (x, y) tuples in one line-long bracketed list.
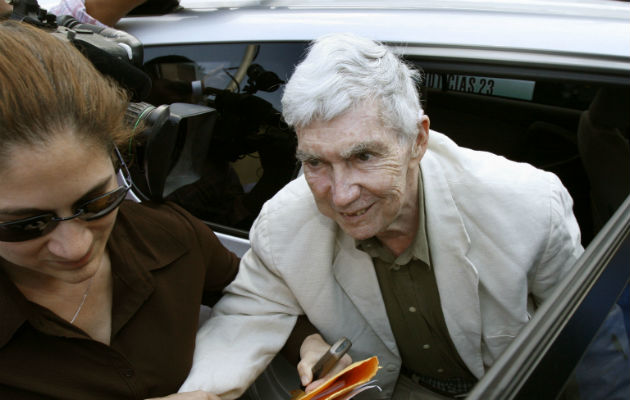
[(251, 152), (525, 115), (575, 128)]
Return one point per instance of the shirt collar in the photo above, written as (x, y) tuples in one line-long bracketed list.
[(134, 237), (14, 308), (132, 256)]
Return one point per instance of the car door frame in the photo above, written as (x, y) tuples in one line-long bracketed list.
[(545, 353)]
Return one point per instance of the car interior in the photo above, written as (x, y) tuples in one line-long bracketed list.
[(222, 152), (576, 127)]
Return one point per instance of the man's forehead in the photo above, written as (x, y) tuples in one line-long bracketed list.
[(354, 120), (342, 147)]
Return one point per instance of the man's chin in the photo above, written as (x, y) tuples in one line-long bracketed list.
[(358, 233)]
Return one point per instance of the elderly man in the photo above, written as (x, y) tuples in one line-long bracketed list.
[(426, 254)]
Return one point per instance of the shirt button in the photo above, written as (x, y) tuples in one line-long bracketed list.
[(128, 373), (440, 370), (426, 346), (412, 309), (395, 268)]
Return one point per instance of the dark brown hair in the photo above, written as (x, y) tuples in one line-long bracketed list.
[(48, 87)]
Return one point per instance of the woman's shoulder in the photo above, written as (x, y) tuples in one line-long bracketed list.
[(158, 219), (161, 231)]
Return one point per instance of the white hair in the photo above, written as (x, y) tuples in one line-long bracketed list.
[(342, 71)]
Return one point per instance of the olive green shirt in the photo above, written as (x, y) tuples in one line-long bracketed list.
[(412, 301)]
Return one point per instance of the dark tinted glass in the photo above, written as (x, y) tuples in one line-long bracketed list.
[(575, 128), (251, 152)]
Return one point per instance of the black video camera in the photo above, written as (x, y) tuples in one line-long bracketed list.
[(115, 53), (119, 55), (118, 44)]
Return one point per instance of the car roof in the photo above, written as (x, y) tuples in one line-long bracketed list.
[(593, 27)]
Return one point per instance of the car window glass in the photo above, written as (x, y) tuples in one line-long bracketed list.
[(598, 375), (543, 121), (578, 130), (251, 153), (530, 119)]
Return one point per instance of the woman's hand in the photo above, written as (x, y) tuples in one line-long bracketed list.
[(312, 349), (197, 395)]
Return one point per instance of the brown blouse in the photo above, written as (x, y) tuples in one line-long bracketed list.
[(164, 262)]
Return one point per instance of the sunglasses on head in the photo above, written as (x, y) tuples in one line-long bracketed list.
[(33, 227)]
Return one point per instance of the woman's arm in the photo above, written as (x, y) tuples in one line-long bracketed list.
[(110, 11)]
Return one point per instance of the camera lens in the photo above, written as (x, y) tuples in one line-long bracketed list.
[(144, 116)]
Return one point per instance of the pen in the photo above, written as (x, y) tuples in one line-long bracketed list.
[(331, 357)]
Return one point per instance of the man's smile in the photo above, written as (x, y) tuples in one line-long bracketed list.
[(356, 213)]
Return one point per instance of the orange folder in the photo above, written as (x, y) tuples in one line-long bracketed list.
[(351, 378)]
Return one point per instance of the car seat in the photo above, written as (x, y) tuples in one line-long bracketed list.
[(603, 134), (603, 145)]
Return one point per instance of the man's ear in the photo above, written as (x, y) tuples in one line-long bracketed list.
[(422, 138)]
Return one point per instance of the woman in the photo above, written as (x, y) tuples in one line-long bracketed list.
[(99, 297)]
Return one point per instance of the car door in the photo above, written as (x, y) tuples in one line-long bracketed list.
[(576, 346)]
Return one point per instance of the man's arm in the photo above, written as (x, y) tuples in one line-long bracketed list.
[(563, 243), (247, 328)]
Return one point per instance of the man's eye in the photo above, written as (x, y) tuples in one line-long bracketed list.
[(364, 156), (312, 163)]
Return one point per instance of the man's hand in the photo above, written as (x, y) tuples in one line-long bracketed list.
[(313, 348), (197, 395)]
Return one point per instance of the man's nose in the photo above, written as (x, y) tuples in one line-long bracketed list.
[(345, 188), (70, 240)]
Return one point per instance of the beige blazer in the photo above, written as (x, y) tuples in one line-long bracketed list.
[(501, 235)]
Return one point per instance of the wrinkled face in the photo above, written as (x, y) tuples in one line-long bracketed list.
[(54, 178), (360, 174)]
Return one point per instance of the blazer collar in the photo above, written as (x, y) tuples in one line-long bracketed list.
[(456, 276), (355, 273)]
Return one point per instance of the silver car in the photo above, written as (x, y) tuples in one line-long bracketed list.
[(543, 82)]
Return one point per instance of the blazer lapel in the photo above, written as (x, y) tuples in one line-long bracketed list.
[(355, 273), (456, 276)]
